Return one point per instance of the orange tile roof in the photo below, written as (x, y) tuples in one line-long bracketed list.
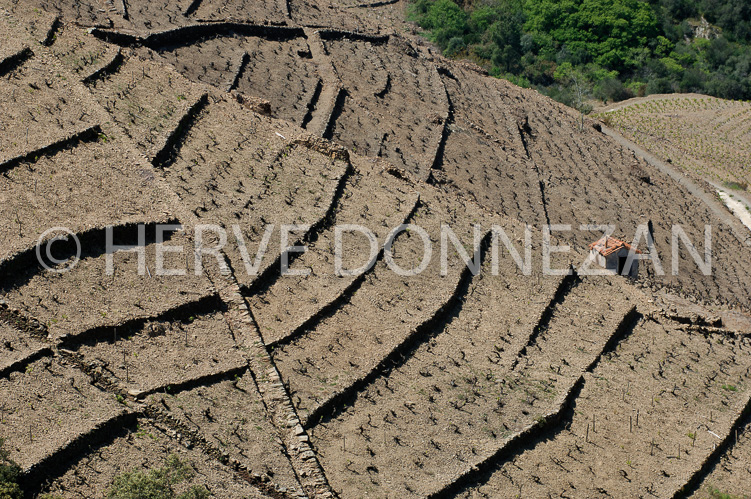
[(608, 246)]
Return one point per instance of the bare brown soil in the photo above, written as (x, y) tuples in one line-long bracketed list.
[(85, 55), (87, 300), (164, 354), (289, 89), (59, 192), (18, 346), (732, 472), (142, 99), (36, 111), (145, 446), (246, 114), (49, 403), (231, 415), (364, 202)]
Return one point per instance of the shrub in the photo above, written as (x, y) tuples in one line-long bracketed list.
[(736, 186), (659, 86), (157, 484), (612, 89), (444, 19), (715, 493), (9, 475), (455, 46)]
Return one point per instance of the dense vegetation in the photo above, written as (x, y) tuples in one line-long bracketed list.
[(9, 474), (602, 49), (158, 483)]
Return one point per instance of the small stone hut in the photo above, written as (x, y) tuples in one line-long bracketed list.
[(612, 254)]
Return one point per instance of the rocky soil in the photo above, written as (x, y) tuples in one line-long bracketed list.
[(131, 114)]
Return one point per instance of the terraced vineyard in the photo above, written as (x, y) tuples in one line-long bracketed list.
[(122, 116), (705, 136)]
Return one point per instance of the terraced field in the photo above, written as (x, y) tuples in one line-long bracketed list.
[(705, 136), (230, 120)]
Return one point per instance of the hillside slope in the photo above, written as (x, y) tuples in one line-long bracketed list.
[(245, 114), (705, 136)]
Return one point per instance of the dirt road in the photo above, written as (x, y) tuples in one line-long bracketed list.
[(717, 208)]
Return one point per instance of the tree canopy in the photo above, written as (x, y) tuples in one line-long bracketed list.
[(615, 49)]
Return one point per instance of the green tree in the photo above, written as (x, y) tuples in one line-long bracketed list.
[(611, 49), (444, 20), (607, 31), (10, 472)]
